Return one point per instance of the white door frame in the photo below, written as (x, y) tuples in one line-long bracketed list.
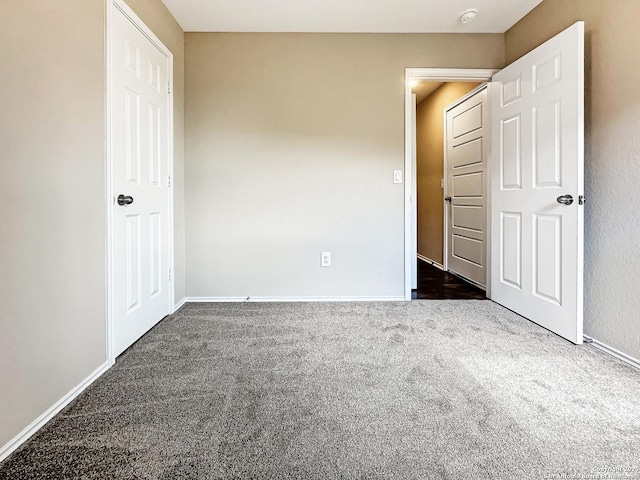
[(112, 5), (435, 75), (414, 194)]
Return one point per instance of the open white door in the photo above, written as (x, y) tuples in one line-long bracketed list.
[(141, 149), (467, 132), (537, 185)]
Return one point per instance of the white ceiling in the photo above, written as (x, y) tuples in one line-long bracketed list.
[(358, 16)]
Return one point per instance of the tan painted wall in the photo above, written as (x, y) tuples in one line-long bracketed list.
[(612, 163), (292, 140), (52, 198), (430, 167), (52, 203)]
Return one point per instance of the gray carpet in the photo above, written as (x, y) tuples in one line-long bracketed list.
[(420, 390)]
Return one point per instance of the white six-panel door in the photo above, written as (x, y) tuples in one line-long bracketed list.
[(538, 134), (140, 103)]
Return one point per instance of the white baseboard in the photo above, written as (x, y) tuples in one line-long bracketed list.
[(430, 262), (634, 362), (39, 422), (292, 299), (179, 304)]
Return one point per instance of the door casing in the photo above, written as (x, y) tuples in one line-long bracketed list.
[(109, 201), (434, 75)]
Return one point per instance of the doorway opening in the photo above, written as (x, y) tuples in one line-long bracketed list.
[(430, 93), (436, 284)]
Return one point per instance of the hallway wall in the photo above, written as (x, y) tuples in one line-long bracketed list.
[(430, 167)]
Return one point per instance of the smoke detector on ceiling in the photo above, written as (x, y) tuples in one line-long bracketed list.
[(469, 15)]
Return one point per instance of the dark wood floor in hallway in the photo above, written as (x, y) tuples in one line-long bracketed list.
[(434, 284)]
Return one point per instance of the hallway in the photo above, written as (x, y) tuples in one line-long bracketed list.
[(434, 284)]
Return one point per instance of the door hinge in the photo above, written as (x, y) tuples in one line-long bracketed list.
[(168, 180), (168, 87), (169, 274), (581, 199)]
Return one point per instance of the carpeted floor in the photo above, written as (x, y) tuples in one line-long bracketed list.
[(420, 390)]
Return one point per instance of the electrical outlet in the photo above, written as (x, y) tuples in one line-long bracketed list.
[(325, 259)]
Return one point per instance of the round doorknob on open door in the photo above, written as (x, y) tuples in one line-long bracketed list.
[(124, 200), (447, 198), (565, 199)]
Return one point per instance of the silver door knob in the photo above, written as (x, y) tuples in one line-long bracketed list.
[(447, 198), (565, 199)]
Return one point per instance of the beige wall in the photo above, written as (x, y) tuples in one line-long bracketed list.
[(430, 167), (612, 151), (52, 325), (52, 198), (291, 142)]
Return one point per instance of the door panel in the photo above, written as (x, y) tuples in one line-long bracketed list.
[(132, 135), (537, 248), (468, 249), (469, 217), (510, 253), (140, 105), (511, 170), (155, 254), (547, 261), (155, 144), (468, 185), (467, 154), (546, 155), (467, 131), (467, 121), (132, 246)]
